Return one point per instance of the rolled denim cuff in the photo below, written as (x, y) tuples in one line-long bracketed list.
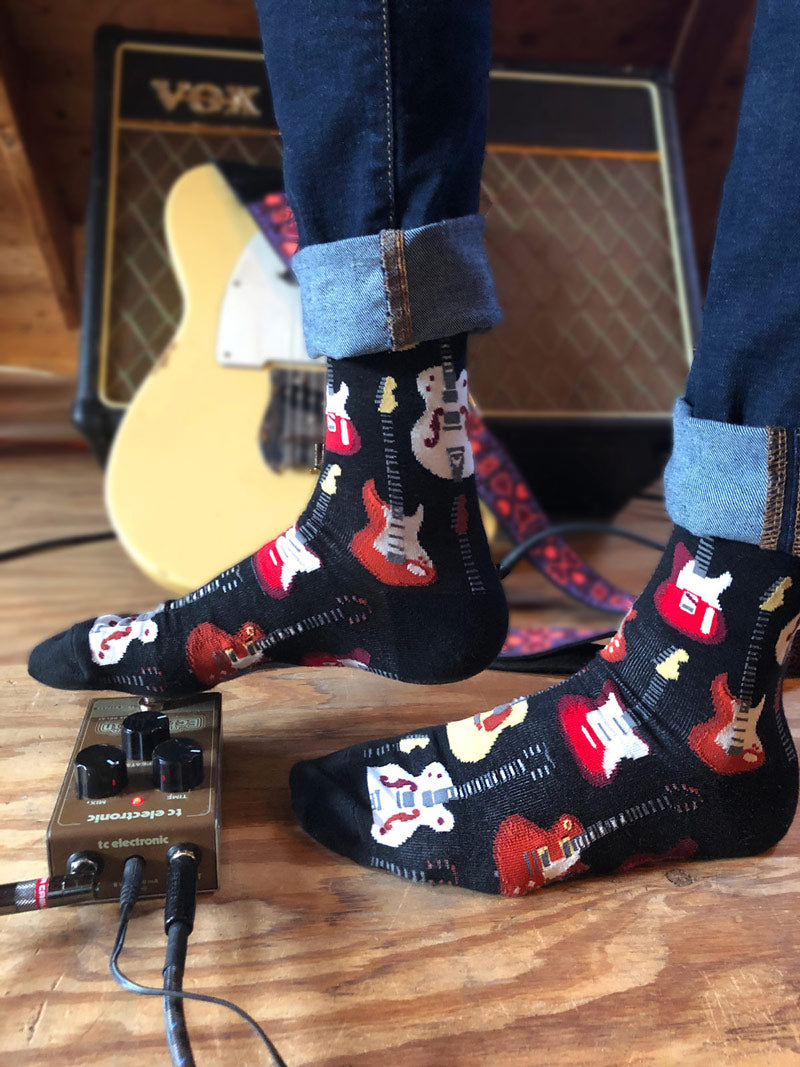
[(392, 290), (738, 482)]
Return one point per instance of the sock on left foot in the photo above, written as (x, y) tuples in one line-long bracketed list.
[(671, 744)]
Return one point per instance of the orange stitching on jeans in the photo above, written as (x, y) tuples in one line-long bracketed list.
[(796, 538), (395, 286), (776, 486)]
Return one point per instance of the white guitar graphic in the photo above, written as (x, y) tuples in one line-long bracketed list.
[(439, 437), (111, 635), (600, 733), (402, 802)]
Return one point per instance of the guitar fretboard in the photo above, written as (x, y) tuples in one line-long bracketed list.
[(349, 608), (395, 532), (702, 559), (572, 845)]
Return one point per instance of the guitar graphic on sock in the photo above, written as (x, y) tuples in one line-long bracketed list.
[(388, 546), (472, 739), (728, 742), (439, 437), (439, 871), (528, 856), (341, 436), (280, 560), (214, 654), (689, 599), (601, 732), (402, 802)]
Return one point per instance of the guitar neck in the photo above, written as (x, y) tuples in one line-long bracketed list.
[(702, 559), (572, 845)]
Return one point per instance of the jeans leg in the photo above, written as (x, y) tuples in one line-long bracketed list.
[(382, 106), (735, 466), (747, 366)]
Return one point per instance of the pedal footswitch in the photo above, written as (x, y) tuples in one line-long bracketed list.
[(144, 775)]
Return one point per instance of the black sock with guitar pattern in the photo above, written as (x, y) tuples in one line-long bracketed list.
[(672, 744), (387, 569)]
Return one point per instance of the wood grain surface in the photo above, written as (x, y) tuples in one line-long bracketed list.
[(691, 964)]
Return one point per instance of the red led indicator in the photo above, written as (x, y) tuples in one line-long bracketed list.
[(137, 801)]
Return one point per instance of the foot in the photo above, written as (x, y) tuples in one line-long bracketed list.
[(387, 569), (671, 744)]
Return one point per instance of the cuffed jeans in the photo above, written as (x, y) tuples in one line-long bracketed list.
[(736, 454), (382, 105)]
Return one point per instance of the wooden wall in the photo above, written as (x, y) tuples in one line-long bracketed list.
[(45, 124)]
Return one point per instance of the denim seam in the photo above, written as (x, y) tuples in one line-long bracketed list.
[(776, 487), (389, 128), (395, 285), (796, 538)]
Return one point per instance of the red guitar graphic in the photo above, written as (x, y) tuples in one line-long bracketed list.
[(689, 599), (214, 654), (389, 545), (528, 856), (279, 561), (601, 733), (439, 437), (341, 436), (728, 742)]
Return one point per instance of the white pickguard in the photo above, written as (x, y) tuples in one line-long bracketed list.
[(260, 320), (401, 537), (609, 727)]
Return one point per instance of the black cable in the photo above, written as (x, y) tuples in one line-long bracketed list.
[(128, 896), (56, 542), (177, 1035), (181, 898), (505, 566)]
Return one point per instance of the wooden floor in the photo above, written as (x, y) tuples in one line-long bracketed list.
[(696, 964)]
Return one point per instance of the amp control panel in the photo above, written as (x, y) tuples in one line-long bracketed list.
[(144, 775)]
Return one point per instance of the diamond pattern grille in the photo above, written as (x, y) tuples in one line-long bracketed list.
[(145, 302), (585, 273), (579, 247)]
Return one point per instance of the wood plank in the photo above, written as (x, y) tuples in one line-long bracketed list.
[(689, 964), (26, 162)]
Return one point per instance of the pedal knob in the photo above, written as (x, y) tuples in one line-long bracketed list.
[(177, 765), (100, 771), (141, 732)]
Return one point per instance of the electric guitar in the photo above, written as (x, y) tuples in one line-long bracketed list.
[(472, 739), (729, 742), (188, 489), (528, 856), (439, 436)]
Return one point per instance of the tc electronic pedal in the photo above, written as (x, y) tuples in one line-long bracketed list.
[(144, 775)]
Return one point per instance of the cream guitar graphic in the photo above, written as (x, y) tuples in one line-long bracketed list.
[(439, 437), (473, 739), (187, 487)]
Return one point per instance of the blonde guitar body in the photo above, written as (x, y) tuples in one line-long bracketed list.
[(187, 488)]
